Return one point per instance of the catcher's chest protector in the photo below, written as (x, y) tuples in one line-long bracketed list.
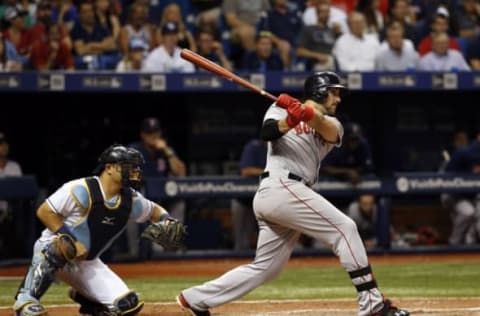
[(105, 224)]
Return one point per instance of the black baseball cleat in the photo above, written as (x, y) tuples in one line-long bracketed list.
[(391, 310), (87, 307), (186, 307)]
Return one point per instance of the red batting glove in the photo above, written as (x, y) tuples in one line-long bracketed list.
[(292, 122), (285, 101), (299, 112)]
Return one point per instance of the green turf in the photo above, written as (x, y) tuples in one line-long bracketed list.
[(406, 280)]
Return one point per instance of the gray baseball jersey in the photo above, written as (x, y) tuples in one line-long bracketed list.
[(299, 151), (285, 208)]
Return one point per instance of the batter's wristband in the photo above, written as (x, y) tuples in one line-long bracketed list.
[(165, 216), (65, 230), (308, 113)]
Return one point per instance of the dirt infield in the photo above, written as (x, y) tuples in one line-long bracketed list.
[(418, 306)]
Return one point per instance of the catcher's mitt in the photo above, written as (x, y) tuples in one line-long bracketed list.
[(168, 232)]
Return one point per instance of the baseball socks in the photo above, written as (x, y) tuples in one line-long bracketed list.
[(371, 301)]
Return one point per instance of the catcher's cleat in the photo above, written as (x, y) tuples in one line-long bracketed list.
[(87, 307), (31, 309), (391, 310), (186, 307)]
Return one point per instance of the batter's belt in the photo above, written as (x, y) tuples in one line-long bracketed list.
[(290, 175)]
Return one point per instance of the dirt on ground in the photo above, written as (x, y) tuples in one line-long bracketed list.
[(417, 306)]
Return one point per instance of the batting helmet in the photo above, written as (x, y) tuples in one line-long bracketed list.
[(129, 158), (316, 86)]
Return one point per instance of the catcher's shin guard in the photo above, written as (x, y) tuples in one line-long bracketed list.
[(41, 273)]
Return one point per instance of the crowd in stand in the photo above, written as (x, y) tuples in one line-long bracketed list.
[(252, 35)]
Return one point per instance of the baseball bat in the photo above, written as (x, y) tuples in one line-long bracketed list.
[(206, 64)]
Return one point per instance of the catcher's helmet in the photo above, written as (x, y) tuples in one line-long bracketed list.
[(316, 86), (130, 160)]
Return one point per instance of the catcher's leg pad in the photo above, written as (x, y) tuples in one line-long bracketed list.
[(31, 309), (41, 273)]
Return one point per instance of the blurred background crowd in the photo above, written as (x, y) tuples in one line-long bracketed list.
[(252, 35)]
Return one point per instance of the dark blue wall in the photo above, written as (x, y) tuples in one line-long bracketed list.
[(58, 136)]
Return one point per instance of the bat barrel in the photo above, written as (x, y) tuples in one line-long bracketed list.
[(206, 64)]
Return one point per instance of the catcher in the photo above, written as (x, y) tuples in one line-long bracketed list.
[(82, 219)]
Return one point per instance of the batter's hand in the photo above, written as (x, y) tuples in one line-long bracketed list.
[(285, 101), (299, 112)]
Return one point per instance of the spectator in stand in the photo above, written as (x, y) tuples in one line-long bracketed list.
[(106, 17), (284, 24), (263, 58), (315, 42), (364, 212), (242, 17), (469, 19), (173, 14), (27, 7), (442, 58), (137, 28), (400, 13), (337, 18), (17, 33), (94, 47), (166, 58), (64, 13), (298, 5), (440, 24), (356, 50), (473, 53), (207, 13), (252, 164), (425, 11), (43, 22), (211, 49), (398, 54), (135, 57), (9, 58), (373, 16), (50, 53)]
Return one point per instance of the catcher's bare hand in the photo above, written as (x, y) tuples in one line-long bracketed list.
[(168, 232)]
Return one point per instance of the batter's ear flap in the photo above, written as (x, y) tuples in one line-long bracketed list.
[(323, 92)]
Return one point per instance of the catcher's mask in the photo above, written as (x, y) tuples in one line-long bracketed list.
[(129, 159), (316, 86)]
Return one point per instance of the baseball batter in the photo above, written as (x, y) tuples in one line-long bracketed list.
[(300, 136), (82, 219)]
